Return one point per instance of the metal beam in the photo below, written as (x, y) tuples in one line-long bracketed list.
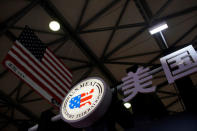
[(5, 25), (82, 13), (166, 97), (38, 31), (172, 103), (125, 42), (129, 63), (194, 39), (147, 14), (58, 47), (22, 109), (20, 84), (62, 39), (178, 13), (10, 35), (127, 26), (161, 85), (99, 14), (135, 55), (73, 69), (184, 35), (166, 92), (85, 75), (18, 93), (26, 95), (114, 30), (149, 53), (162, 8), (32, 100), (144, 10), (72, 59), (54, 13)]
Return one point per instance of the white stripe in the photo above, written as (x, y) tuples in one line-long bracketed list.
[(38, 69), (56, 72), (58, 62), (43, 67), (63, 73), (33, 73), (33, 84)]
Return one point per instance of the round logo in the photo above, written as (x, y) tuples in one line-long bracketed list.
[(84, 100)]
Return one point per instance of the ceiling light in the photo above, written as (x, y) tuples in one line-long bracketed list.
[(54, 25), (158, 28), (127, 105)]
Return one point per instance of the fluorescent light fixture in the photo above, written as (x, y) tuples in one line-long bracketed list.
[(157, 28), (54, 25), (127, 105)]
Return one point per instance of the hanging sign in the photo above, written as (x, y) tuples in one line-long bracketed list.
[(180, 63), (86, 102), (175, 65), (137, 82)]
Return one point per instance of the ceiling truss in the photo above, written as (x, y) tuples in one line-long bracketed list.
[(70, 33)]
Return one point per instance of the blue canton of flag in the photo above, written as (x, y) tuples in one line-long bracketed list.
[(75, 102)]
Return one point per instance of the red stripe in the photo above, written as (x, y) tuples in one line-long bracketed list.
[(48, 100), (29, 57), (57, 71), (59, 64), (56, 76), (86, 98), (37, 72), (21, 67)]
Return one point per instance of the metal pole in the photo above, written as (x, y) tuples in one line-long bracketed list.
[(164, 40)]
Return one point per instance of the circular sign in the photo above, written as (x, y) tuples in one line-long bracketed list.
[(86, 102)]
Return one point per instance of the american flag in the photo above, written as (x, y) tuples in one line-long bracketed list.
[(35, 64), (81, 100)]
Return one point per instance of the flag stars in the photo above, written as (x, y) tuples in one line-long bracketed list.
[(30, 41)]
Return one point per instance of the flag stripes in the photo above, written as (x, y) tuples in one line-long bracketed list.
[(30, 74), (60, 64), (60, 70), (48, 75), (28, 80), (53, 68), (36, 67), (42, 66), (34, 63)]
